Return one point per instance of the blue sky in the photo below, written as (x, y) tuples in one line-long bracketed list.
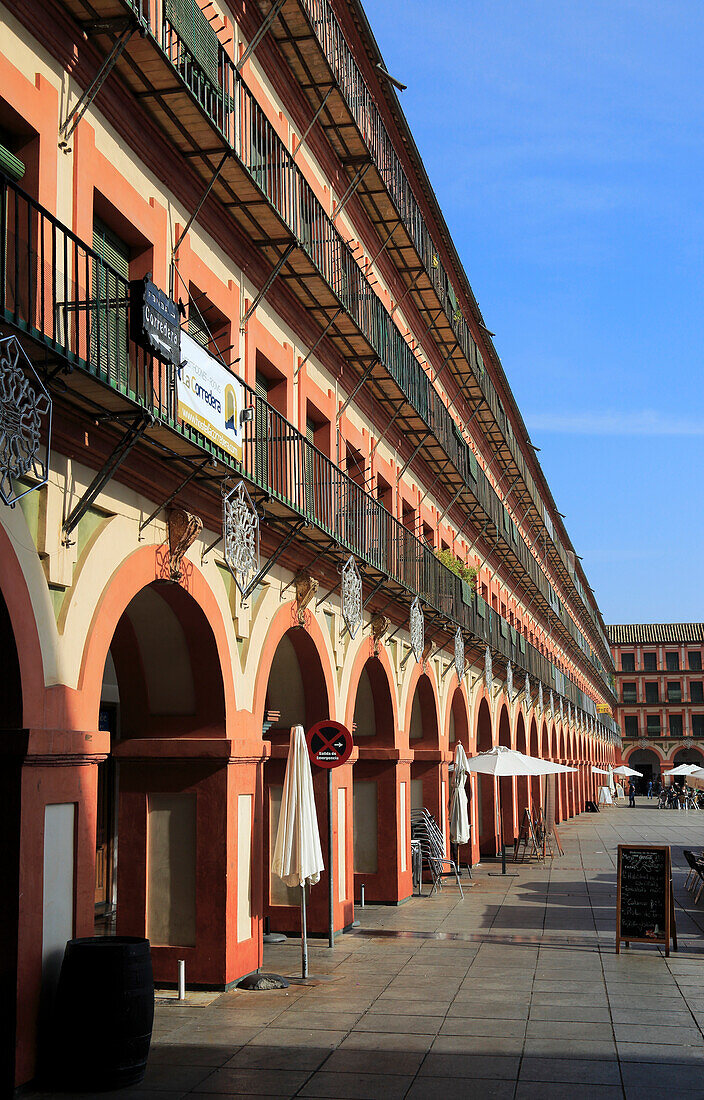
[(565, 143)]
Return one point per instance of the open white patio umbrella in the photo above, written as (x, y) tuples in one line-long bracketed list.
[(501, 761), (459, 816), (623, 770), (298, 857), (600, 771), (683, 769)]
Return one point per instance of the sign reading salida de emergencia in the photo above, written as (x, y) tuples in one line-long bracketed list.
[(210, 399)]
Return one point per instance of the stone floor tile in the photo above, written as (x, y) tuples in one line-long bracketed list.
[(576, 1071), (253, 1082), (491, 1066), (542, 1090), (377, 1021), (461, 1088), (576, 1013), (357, 1086), (400, 1062), (463, 1025)]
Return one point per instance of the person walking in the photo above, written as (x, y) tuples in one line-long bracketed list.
[(632, 794), (650, 788)]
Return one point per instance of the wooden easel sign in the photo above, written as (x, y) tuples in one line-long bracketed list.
[(645, 903)]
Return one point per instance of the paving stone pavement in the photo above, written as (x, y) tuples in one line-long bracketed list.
[(514, 993)]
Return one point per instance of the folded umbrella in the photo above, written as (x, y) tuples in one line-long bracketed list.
[(298, 857), (459, 815)]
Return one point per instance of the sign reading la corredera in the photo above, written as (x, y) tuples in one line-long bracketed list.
[(155, 320), (329, 744), (210, 398)]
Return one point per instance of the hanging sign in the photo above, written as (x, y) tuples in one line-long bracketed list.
[(154, 320), (210, 398), (329, 744)]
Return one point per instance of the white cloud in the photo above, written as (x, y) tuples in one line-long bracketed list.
[(644, 422)]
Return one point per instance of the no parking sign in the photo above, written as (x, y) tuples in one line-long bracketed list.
[(329, 744)]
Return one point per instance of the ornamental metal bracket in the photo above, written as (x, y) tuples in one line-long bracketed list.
[(417, 628), (351, 596), (459, 660), (488, 670), (306, 587), (25, 412), (134, 433), (265, 569), (380, 625), (240, 534)]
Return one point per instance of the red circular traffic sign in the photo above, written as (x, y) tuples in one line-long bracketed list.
[(329, 744)]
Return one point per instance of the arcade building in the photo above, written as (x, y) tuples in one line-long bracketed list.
[(260, 465), (660, 689)]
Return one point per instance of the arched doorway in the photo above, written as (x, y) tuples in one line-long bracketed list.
[(297, 694), (11, 716), (161, 841), (486, 788), (379, 793), (458, 732), (649, 764), (428, 788), (534, 781), (507, 784), (690, 755), (523, 783)]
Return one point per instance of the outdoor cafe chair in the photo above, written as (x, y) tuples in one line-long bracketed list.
[(695, 878)]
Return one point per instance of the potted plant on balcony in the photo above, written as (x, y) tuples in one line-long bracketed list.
[(466, 573)]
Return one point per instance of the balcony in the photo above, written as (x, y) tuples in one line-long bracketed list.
[(70, 310), (312, 41), (209, 113)]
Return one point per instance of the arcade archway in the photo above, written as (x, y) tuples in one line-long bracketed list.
[(161, 850)]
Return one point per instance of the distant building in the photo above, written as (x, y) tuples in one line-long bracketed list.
[(660, 690)]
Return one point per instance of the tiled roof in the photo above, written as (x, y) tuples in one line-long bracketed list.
[(655, 633)]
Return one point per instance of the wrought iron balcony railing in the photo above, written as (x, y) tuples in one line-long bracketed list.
[(213, 82), (377, 140), (242, 122), (61, 294)]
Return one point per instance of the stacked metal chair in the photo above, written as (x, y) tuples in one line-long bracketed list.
[(427, 836)]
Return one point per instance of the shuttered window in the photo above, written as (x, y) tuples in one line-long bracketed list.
[(109, 313), (196, 34)]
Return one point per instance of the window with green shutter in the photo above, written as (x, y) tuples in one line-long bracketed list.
[(196, 34), (262, 433), (109, 325), (472, 465)]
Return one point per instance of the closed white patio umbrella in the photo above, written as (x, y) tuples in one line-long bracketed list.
[(459, 816), (500, 762), (298, 857)]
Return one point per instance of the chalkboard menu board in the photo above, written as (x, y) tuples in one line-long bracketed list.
[(645, 906)]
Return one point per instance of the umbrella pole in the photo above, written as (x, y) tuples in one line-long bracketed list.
[(304, 935), (501, 826)]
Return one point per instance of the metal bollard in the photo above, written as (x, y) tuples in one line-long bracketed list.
[(362, 898), (181, 979)]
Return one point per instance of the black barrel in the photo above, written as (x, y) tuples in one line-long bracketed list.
[(104, 1012)]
